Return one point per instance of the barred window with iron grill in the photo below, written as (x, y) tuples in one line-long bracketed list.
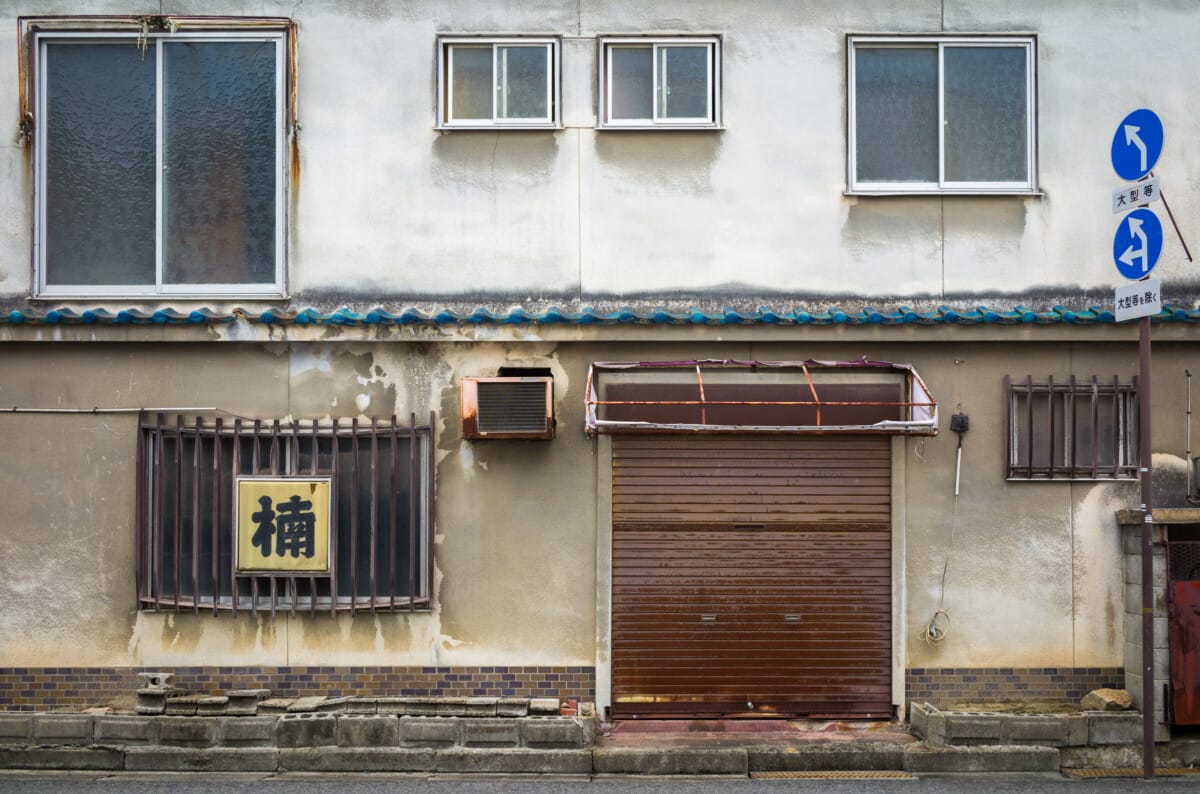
[(380, 516), (1071, 429)]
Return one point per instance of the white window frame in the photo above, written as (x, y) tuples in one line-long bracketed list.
[(607, 44), (943, 186), (156, 42), (445, 85)]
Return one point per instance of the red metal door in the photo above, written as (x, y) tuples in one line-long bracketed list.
[(751, 576), (1184, 639)]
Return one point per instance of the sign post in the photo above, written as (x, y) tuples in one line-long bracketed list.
[(1136, 146)]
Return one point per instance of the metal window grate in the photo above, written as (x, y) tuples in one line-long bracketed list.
[(1071, 430), (381, 519), (1183, 561)]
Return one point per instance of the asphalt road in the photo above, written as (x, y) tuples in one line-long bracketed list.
[(139, 783)]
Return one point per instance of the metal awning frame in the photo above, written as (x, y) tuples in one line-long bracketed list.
[(920, 407)]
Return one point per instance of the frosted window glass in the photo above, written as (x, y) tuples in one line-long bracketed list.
[(525, 75), (896, 114), (471, 83), (683, 76), (986, 114), (219, 157), (99, 219), (632, 82)]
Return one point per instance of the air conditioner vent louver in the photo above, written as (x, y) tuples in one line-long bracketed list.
[(508, 407)]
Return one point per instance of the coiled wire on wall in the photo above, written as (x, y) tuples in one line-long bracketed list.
[(938, 627)]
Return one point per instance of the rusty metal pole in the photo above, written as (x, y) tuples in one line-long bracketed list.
[(1145, 450)]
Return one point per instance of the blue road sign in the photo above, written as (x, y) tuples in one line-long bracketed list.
[(1136, 144), (1137, 244)]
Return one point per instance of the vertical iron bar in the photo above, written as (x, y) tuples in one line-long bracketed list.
[(216, 516), (703, 403), (274, 473), (293, 468), (1095, 425), (1029, 426), (430, 511), (156, 553), (235, 463), (1050, 420), (1009, 407), (333, 529), (353, 515), (139, 517), (374, 505), (1074, 411), (392, 506), (178, 507), (414, 492), (196, 466), (1116, 407), (313, 467), (254, 461)]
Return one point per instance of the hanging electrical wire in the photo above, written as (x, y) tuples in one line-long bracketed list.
[(938, 627)]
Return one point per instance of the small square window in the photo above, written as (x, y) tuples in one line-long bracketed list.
[(509, 83), (941, 115), (1071, 429), (160, 163), (651, 83)]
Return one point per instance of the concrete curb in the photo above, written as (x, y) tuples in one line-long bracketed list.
[(671, 761), (844, 756), (1003, 758)]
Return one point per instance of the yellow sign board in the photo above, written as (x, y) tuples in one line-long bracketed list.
[(283, 525)]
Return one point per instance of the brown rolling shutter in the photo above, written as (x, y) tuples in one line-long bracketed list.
[(751, 575)]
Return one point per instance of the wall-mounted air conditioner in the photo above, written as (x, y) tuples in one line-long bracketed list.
[(508, 407)]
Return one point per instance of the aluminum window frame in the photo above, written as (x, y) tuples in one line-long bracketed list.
[(160, 289), (606, 44), (445, 99), (1029, 186)]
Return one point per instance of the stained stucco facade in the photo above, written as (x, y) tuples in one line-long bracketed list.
[(385, 210)]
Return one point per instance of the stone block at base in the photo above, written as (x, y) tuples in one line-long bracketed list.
[(357, 759), (552, 733), (119, 729), (208, 759), (493, 732), (16, 728), (246, 731), (670, 761), (846, 756), (62, 729), (187, 731), (306, 730), (1114, 728), (1047, 731), (999, 758), (368, 730), (106, 758), (513, 761), (427, 732)]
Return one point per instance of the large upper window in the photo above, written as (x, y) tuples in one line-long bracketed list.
[(498, 83), (941, 115), (660, 82), (160, 163)]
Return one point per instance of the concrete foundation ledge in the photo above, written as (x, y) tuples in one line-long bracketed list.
[(356, 759), (671, 761), (827, 757), (201, 759), (514, 760), (996, 758), (61, 758)]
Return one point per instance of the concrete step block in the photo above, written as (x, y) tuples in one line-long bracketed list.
[(1051, 730), (995, 758), (513, 761), (552, 732), (107, 758), (212, 706), (495, 732), (972, 728), (428, 731), (848, 756), (246, 731), (358, 759), (306, 730), (305, 704), (211, 759), (669, 761), (1109, 728), (63, 729), (368, 730), (124, 730), (16, 728), (187, 731), (512, 707), (481, 707)]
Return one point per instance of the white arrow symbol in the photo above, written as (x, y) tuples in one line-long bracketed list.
[(1135, 230), (1133, 139)]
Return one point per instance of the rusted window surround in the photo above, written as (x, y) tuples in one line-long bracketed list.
[(1071, 429), (381, 524)]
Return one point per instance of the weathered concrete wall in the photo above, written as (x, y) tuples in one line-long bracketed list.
[(1034, 574), (385, 207)]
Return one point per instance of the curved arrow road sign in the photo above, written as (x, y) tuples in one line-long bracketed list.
[(1136, 144), (1137, 244)]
